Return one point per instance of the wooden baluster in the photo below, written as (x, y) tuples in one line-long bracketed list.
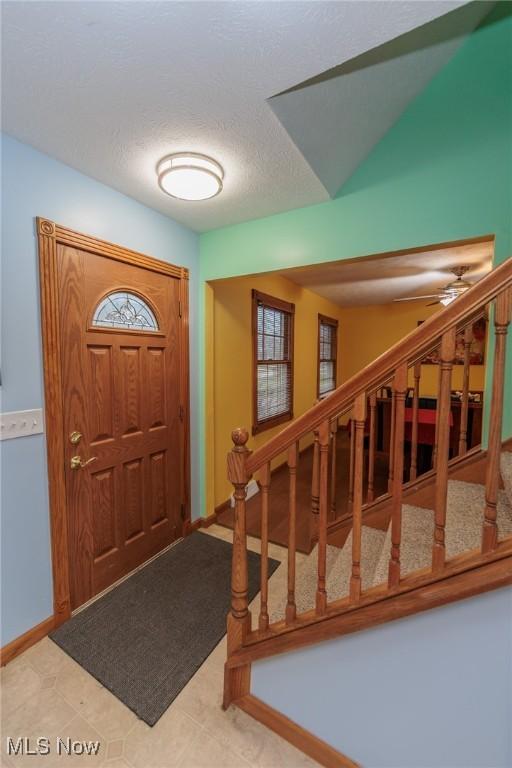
[(443, 447), (502, 312), (391, 442), (291, 608), (370, 495), (321, 593), (357, 514), (463, 434), (237, 681), (415, 411), (434, 450), (315, 488), (334, 432), (264, 485), (400, 389), (351, 463)]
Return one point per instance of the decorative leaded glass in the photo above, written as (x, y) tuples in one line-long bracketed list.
[(124, 310)]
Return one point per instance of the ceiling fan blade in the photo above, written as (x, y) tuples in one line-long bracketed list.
[(418, 298)]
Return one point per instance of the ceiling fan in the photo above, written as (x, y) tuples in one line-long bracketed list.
[(450, 292)]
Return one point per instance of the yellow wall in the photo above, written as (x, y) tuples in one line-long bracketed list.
[(232, 362), (367, 332)]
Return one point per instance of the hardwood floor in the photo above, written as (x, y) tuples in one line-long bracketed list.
[(278, 496)]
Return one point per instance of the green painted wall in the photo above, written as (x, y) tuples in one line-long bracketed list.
[(443, 172)]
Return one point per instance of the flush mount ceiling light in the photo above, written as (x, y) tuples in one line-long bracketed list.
[(190, 176)]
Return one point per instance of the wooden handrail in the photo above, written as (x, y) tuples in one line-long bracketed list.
[(451, 577), (407, 350)]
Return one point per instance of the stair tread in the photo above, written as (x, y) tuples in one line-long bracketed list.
[(372, 541), (416, 544), (338, 569), (305, 583), (464, 517), (307, 577)]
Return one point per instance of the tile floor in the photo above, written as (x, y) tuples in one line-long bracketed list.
[(46, 694)]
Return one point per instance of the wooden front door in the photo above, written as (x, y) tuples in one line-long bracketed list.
[(122, 413)]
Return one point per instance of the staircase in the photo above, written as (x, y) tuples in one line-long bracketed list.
[(457, 546), (463, 533)]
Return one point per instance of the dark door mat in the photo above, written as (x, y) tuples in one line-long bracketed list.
[(146, 638)]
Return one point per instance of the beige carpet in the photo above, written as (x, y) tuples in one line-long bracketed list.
[(416, 543), (464, 517), (506, 473)]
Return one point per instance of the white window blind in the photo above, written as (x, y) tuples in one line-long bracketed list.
[(327, 333)]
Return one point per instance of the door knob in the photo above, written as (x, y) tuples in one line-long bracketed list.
[(77, 463)]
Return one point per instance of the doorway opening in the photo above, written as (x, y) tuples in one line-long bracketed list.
[(343, 315)]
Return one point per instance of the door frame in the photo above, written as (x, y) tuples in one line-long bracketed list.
[(49, 235)]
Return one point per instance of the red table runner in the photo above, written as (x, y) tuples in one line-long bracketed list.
[(426, 425)]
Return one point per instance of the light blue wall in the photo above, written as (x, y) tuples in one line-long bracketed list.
[(429, 691), (36, 185)]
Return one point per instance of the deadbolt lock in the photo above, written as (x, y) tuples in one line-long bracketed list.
[(75, 437)]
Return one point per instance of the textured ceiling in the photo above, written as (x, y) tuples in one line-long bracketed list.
[(379, 280), (111, 87), (337, 118)]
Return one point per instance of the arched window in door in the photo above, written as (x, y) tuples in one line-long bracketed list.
[(125, 310)]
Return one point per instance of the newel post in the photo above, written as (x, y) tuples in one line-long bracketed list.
[(237, 680)]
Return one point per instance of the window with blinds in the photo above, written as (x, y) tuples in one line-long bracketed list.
[(273, 361), (327, 353)]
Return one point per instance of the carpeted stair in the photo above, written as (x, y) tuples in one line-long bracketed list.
[(464, 516), (506, 473), (416, 543), (338, 566)]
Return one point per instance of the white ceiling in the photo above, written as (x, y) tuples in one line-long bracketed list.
[(380, 279), (111, 87)]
